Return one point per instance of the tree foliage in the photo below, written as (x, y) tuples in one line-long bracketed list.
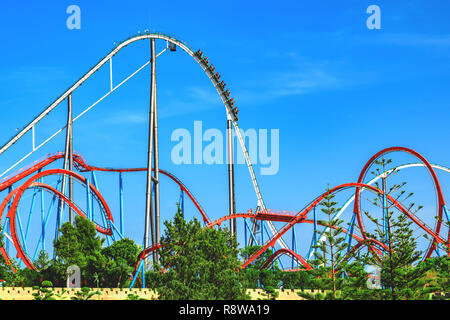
[(201, 263)]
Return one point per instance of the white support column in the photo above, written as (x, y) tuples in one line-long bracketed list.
[(111, 73), (33, 143), (149, 219), (67, 162)]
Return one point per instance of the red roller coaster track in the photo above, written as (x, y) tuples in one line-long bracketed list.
[(31, 183), (437, 186), (267, 215), (303, 214), (82, 165), (33, 172)]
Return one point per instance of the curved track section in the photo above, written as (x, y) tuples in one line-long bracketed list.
[(371, 182), (144, 253), (32, 183), (231, 110), (288, 252), (81, 164), (204, 63), (228, 102), (360, 241), (440, 196), (372, 244), (303, 214)]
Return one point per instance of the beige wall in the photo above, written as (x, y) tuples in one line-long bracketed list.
[(19, 293)]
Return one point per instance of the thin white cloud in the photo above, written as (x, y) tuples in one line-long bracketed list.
[(300, 75), (190, 100), (203, 95), (34, 75), (128, 117), (303, 82), (412, 40)]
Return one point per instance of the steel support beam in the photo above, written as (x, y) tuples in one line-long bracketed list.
[(121, 201), (256, 227), (231, 195), (150, 218), (70, 125), (155, 156), (68, 163)]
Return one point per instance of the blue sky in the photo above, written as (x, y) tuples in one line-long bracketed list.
[(337, 91)]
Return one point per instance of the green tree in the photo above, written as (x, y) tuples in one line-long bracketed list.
[(270, 293), (8, 270), (439, 272), (120, 258), (201, 263), (35, 277), (401, 273), (354, 286), (253, 276), (330, 251), (44, 291), (297, 280), (79, 245), (43, 261), (259, 261)]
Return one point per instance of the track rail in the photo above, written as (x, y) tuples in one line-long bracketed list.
[(288, 252), (228, 103), (83, 166), (371, 182), (303, 214), (437, 186), (17, 194)]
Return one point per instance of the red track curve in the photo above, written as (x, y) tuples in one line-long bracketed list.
[(50, 189), (286, 251), (82, 165), (289, 219), (359, 244), (85, 167), (441, 200), (290, 252), (18, 192), (302, 215)]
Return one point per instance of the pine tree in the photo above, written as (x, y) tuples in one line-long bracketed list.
[(355, 284), (200, 263), (330, 252), (401, 274)]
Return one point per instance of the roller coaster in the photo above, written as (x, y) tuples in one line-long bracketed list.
[(45, 182)]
